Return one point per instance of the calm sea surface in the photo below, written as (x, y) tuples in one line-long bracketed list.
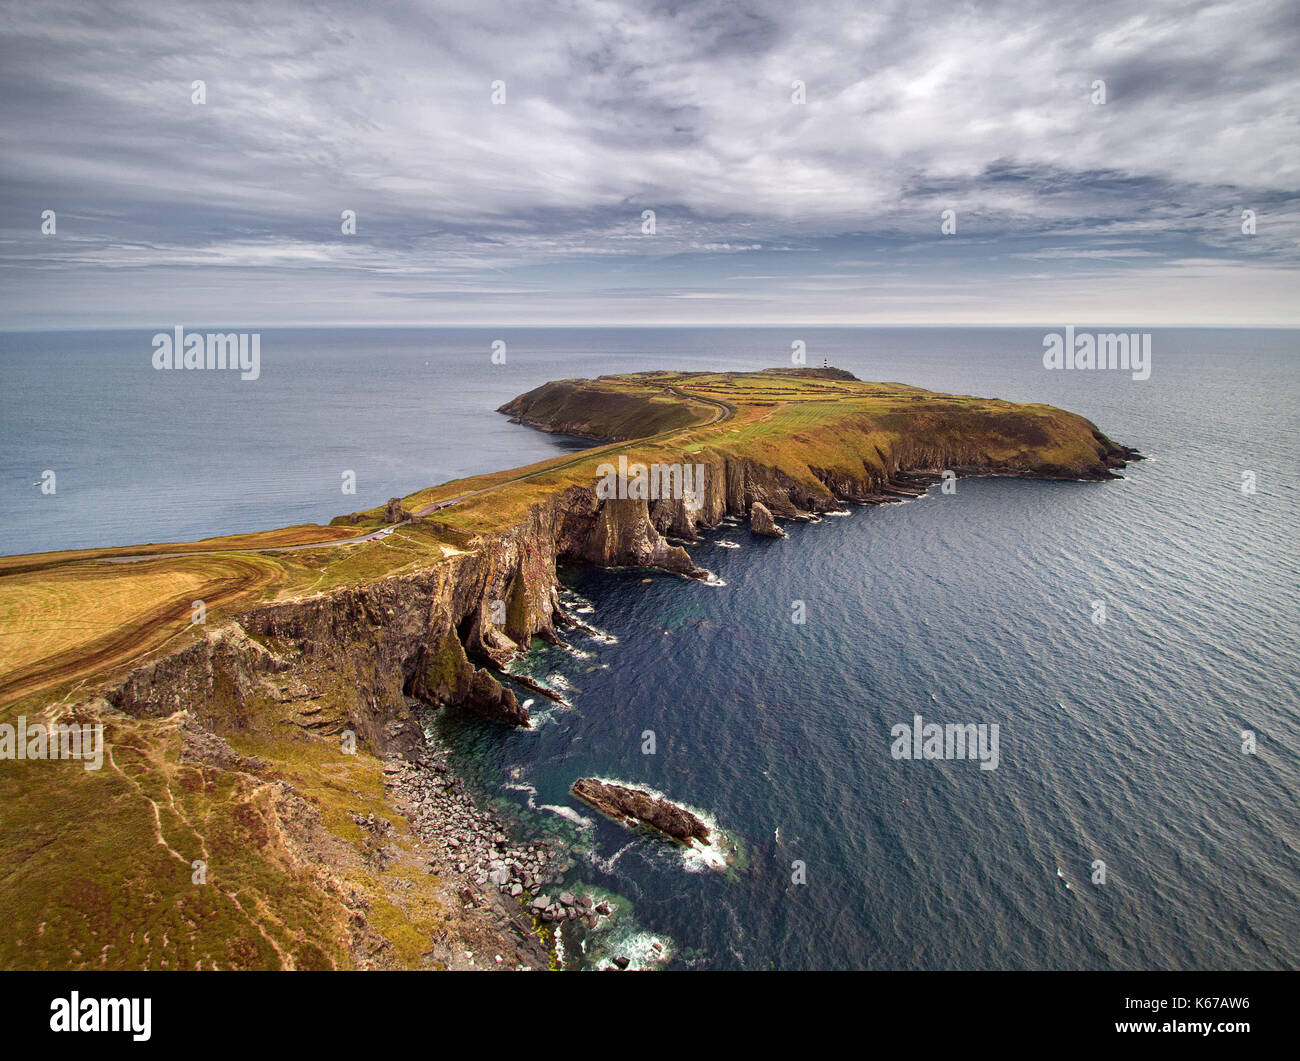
[(1119, 743)]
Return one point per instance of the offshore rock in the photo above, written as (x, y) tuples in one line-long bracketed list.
[(761, 522), (633, 806)]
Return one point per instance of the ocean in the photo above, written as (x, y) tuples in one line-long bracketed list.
[(1121, 732)]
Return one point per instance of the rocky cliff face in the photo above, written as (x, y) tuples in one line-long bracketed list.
[(352, 658)]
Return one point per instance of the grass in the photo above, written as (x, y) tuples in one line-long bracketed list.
[(95, 867), (70, 621), (68, 617), (623, 412)]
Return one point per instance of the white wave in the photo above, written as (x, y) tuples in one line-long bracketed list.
[(727, 545), (537, 719), (607, 864), (568, 814), (525, 787), (844, 512), (698, 857), (638, 946)]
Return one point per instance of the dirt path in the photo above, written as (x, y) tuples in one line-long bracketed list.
[(142, 633)]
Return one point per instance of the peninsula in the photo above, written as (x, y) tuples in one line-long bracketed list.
[(267, 798)]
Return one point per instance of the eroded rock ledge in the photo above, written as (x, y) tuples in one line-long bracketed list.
[(635, 807)]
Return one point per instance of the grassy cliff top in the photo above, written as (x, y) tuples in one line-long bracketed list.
[(95, 868), (68, 617)]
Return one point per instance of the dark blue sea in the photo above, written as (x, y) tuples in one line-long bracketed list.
[(1121, 742)]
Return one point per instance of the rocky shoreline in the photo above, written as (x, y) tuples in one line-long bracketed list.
[(505, 882), (469, 846)]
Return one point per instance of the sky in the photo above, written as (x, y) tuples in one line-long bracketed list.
[(799, 158)]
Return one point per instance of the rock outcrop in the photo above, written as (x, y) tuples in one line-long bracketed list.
[(632, 806), (761, 522), (618, 533)]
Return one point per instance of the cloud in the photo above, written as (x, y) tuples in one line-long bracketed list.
[(615, 108)]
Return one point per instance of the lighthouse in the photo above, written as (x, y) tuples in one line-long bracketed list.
[(826, 362)]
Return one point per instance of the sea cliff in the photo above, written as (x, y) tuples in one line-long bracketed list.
[(270, 730)]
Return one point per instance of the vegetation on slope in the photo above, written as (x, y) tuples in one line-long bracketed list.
[(95, 867)]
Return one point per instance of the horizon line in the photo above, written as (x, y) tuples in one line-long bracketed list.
[(395, 326)]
